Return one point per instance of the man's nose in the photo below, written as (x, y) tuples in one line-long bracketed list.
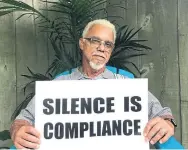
[(101, 47)]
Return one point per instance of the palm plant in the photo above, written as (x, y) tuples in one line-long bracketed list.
[(65, 29)]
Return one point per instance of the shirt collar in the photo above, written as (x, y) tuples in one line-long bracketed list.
[(78, 75)]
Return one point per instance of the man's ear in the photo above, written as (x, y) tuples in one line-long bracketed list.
[(81, 43)]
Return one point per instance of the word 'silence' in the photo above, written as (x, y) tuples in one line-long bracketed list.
[(88, 105)]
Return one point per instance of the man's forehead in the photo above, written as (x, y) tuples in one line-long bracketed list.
[(99, 27), (101, 31)]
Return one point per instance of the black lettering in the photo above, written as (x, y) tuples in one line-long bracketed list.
[(98, 109), (126, 104), (59, 130), (136, 127), (106, 130), (64, 106), (83, 127), (92, 129), (98, 128), (71, 131), (137, 106), (46, 104), (74, 106), (47, 134), (110, 104), (57, 106), (85, 106), (127, 123), (116, 126)]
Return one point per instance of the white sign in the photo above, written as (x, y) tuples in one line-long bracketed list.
[(92, 114)]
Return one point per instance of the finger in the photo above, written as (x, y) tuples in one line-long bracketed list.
[(31, 138), (153, 131), (150, 125), (18, 146), (158, 136), (32, 130), (27, 144), (165, 138)]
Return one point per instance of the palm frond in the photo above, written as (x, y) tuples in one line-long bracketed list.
[(60, 4), (98, 3), (2, 13), (64, 59), (24, 15), (126, 47), (22, 105), (125, 41), (13, 6), (33, 77), (36, 77), (4, 135)]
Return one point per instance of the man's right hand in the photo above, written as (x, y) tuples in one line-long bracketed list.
[(26, 137)]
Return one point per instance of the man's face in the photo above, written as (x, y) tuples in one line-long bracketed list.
[(97, 46)]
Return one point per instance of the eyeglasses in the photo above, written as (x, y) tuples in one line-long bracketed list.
[(96, 42)]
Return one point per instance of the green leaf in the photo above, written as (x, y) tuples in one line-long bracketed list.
[(125, 34), (97, 3), (59, 4), (30, 71), (128, 34), (2, 13), (57, 11), (8, 7), (27, 85), (119, 32), (24, 15), (22, 105), (4, 135), (133, 34), (20, 6), (133, 41)]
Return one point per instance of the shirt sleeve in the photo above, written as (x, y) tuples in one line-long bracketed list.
[(155, 109), (28, 113)]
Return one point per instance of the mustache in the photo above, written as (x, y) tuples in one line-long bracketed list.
[(99, 54)]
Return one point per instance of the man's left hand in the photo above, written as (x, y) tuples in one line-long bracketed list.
[(158, 129)]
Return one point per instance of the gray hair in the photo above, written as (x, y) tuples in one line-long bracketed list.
[(101, 22)]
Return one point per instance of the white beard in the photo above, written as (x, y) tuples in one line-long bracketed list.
[(96, 66)]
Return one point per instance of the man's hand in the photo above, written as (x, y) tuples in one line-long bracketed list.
[(158, 129), (27, 137)]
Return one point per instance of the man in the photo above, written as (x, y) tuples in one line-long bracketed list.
[(96, 44)]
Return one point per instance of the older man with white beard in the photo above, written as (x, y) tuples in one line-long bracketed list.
[(96, 45)]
